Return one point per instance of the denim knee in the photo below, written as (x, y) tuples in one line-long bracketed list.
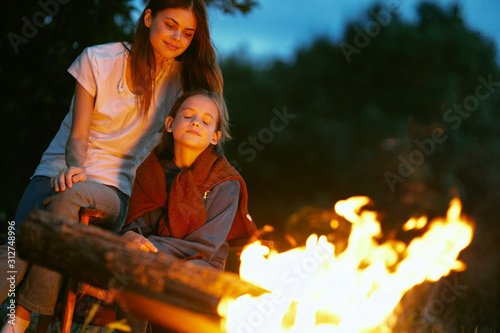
[(112, 202), (36, 192), (65, 204)]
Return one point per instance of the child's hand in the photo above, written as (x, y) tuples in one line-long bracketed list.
[(139, 242), (66, 177)]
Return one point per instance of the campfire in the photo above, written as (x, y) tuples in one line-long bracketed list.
[(313, 289)]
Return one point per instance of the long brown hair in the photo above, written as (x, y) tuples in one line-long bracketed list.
[(199, 62), (165, 149)]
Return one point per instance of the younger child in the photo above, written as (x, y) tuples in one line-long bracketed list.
[(186, 195), (187, 200)]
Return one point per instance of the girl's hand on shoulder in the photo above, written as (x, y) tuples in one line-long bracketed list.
[(138, 241), (67, 177)]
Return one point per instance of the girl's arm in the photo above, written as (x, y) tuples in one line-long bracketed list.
[(136, 232), (77, 144), (209, 241)]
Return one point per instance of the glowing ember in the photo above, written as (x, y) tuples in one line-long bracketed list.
[(314, 290)]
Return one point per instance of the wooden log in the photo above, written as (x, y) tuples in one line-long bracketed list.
[(103, 259)]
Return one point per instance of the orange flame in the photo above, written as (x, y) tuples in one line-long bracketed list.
[(313, 290)]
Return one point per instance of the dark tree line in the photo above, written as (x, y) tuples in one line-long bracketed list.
[(399, 120), (405, 113)]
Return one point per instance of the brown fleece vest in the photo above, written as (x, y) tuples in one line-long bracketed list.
[(184, 203)]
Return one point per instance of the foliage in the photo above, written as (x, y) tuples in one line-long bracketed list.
[(230, 6)]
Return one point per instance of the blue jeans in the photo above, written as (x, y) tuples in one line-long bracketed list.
[(40, 287), (36, 192)]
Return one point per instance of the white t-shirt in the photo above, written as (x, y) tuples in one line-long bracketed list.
[(119, 137)]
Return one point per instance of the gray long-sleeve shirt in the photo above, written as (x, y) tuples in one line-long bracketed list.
[(210, 239)]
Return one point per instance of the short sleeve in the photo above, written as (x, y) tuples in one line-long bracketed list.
[(83, 69)]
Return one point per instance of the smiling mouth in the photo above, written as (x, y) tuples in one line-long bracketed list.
[(172, 47)]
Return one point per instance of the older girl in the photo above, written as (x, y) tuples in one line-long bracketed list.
[(122, 94)]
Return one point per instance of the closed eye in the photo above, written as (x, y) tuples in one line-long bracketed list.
[(208, 120)]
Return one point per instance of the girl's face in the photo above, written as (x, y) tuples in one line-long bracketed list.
[(195, 123), (170, 31)]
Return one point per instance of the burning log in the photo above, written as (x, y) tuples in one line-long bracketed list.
[(147, 283)]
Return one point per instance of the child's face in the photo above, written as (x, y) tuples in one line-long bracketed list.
[(170, 31), (195, 124)]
